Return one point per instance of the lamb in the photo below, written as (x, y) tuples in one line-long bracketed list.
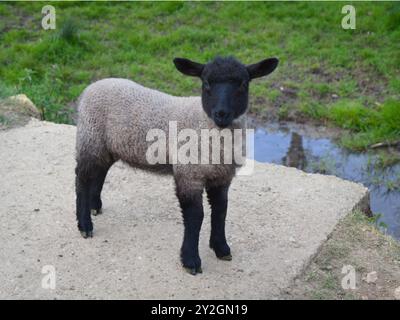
[(114, 117)]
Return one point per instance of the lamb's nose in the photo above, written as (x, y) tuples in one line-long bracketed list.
[(220, 114)]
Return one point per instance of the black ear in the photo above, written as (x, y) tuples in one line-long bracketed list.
[(262, 68), (189, 67)]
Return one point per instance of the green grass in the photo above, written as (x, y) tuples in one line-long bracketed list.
[(344, 77), (382, 160), (371, 125)]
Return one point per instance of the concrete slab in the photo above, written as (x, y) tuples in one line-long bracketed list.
[(277, 220)]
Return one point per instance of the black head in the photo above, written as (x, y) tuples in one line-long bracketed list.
[(225, 89)]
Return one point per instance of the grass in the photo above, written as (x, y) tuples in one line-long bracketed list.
[(369, 125), (324, 165), (348, 78), (382, 161)]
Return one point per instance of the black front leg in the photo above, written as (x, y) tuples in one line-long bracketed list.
[(192, 210), (218, 198)]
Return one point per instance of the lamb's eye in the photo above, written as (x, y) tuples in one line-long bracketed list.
[(243, 85)]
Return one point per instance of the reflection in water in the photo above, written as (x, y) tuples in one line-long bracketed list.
[(285, 145), (295, 156)]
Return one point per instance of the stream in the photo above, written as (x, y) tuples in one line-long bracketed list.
[(312, 150)]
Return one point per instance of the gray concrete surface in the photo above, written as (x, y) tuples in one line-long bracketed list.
[(277, 220)]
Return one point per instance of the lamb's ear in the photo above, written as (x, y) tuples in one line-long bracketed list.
[(262, 68), (189, 67)]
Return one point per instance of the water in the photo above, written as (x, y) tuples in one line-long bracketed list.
[(306, 149)]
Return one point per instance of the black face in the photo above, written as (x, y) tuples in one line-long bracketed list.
[(225, 87), (225, 101)]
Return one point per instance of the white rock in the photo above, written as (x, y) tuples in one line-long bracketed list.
[(25, 102), (371, 277)]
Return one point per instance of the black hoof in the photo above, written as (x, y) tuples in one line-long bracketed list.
[(191, 263), (225, 258), (193, 271), (96, 212), (222, 250), (87, 234)]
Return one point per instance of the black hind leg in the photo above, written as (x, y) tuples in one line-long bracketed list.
[(88, 184), (82, 188), (99, 175)]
